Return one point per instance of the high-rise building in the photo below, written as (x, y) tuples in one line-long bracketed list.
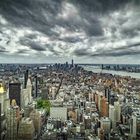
[(26, 129), (104, 107), (26, 94), (101, 133), (26, 74), (107, 93), (45, 93), (100, 95), (36, 86), (72, 62), (11, 124), (96, 99), (87, 122), (112, 115), (106, 124), (0, 121), (117, 111), (36, 117), (2, 97), (14, 92), (29, 90), (135, 125)]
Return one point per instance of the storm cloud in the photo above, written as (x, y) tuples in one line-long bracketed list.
[(70, 28)]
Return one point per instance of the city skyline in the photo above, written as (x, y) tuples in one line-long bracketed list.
[(89, 31)]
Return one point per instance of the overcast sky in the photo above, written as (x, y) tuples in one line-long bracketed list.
[(89, 31)]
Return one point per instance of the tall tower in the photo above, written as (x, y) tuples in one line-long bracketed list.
[(11, 124), (26, 74), (36, 86), (29, 89), (112, 115), (135, 125), (72, 62), (0, 121), (104, 107), (117, 111), (2, 97), (14, 92)]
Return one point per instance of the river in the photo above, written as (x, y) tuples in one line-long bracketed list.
[(121, 73)]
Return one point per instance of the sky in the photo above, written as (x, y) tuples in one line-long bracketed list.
[(56, 31)]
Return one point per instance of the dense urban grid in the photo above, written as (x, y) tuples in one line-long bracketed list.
[(66, 102)]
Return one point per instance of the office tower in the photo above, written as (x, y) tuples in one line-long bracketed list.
[(72, 62), (24, 98), (91, 97), (99, 101), (117, 111), (26, 94), (96, 99), (104, 107), (14, 92), (106, 124), (36, 86), (26, 129), (135, 125), (0, 122), (112, 115), (107, 93), (87, 122), (44, 93), (26, 74), (101, 133), (29, 90), (2, 97), (6, 105), (11, 124), (36, 117)]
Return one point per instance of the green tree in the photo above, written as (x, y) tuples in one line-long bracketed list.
[(45, 104)]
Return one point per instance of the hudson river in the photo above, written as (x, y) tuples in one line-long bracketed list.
[(121, 73)]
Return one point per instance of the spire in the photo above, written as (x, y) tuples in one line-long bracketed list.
[(29, 82)]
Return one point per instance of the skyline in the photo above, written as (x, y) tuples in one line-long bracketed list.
[(89, 31)]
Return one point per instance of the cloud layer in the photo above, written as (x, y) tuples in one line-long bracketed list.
[(93, 31)]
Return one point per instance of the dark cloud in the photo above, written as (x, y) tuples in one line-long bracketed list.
[(42, 16), (21, 51), (3, 50), (32, 44), (71, 39), (82, 52), (101, 5), (80, 27), (118, 53), (115, 52), (51, 49)]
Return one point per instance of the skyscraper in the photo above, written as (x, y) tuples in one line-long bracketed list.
[(135, 125), (2, 97), (112, 115), (72, 62), (26, 74), (0, 121), (14, 92), (117, 111), (106, 124), (36, 86), (104, 107)]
